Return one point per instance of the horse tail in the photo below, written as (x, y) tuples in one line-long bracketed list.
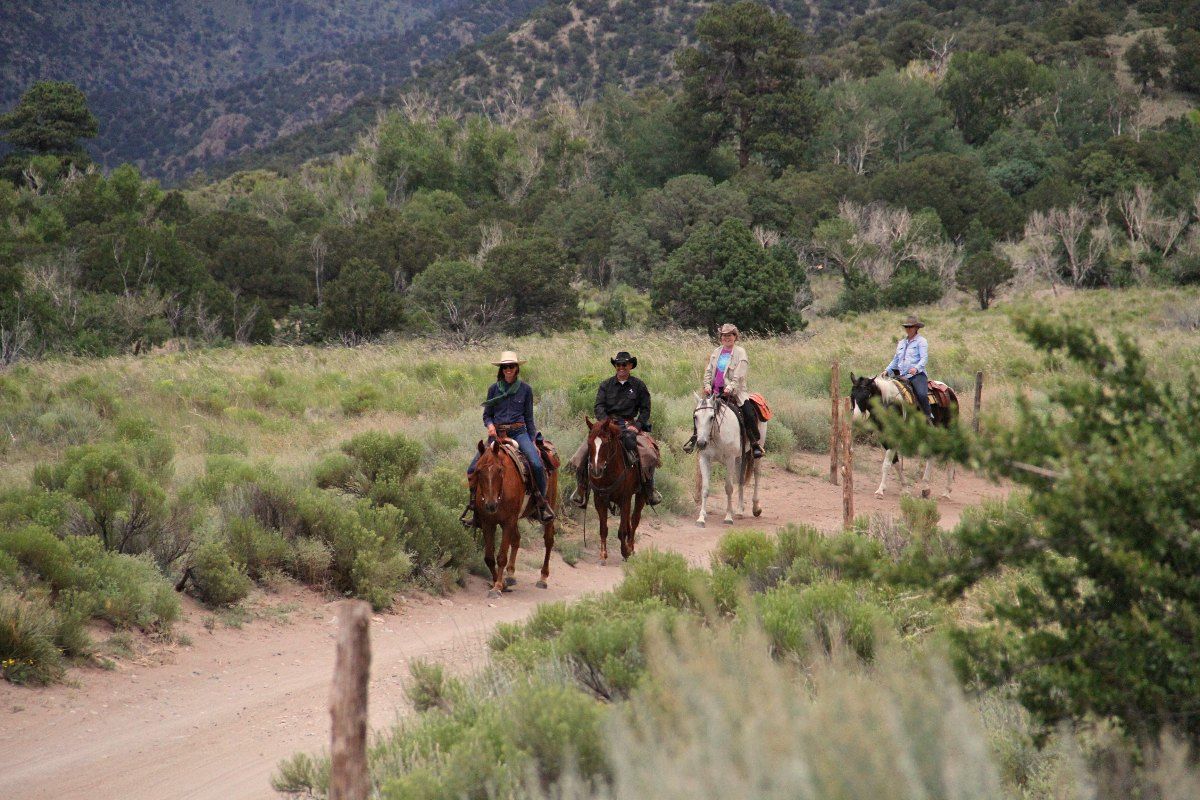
[(747, 467), (952, 411)]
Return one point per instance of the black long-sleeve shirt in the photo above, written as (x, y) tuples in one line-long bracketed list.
[(629, 400), (516, 407)]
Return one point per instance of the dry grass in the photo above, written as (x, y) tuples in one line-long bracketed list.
[(289, 405)]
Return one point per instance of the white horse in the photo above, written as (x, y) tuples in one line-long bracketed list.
[(719, 438), (886, 392)]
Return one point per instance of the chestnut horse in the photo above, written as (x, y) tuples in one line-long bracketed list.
[(613, 483), (500, 499)]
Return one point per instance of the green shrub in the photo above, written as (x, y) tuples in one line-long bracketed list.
[(311, 561), (49, 509), (28, 653), (822, 614), (74, 610), (361, 399), (377, 576), (559, 727), (218, 580), (223, 471), (43, 554), (381, 456), (127, 590), (429, 686), (662, 576), (340, 471), (258, 549), (219, 443)]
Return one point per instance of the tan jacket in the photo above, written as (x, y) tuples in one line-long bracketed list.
[(736, 372)]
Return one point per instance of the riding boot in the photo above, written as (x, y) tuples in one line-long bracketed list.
[(579, 497), (544, 512), (653, 496), (469, 518)]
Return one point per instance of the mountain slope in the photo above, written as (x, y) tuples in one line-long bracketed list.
[(577, 46)]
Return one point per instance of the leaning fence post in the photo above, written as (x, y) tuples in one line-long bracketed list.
[(348, 778), (835, 430), (847, 465), (978, 399)]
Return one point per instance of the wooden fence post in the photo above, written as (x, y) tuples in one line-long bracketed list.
[(348, 778), (847, 437), (978, 399), (835, 427)]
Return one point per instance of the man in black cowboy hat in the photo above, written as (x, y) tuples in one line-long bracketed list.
[(912, 354), (626, 400)]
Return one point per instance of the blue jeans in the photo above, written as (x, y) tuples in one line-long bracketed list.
[(531, 455), (920, 385)]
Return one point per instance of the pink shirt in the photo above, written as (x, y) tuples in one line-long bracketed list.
[(719, 372)]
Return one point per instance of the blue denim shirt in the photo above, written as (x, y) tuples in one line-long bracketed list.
[(912, 353), (517, 407)]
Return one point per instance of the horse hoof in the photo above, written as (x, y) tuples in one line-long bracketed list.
[(879, 495), (493, 594), (758, 512), (699, 523), (542, 585), (604, 562), (510, 581), (728, 521), (944, 495)]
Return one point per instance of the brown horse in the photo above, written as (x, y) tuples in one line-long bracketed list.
[(613, 483), (500, 500)]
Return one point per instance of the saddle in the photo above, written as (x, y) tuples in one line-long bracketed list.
[(764, 410), (545, 447), (939, 393)]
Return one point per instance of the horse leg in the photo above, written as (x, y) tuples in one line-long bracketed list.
[(635, 520), (514, 545), (925, 492), (729, 473), (489, 555), (887, 463), (602, 517), (741, 485), (623, 533), (705, 468), (949, 480), (548, 536), (502, 558), (756, 507)]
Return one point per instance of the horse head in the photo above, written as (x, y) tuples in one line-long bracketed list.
[(703, 416), (862, 389), (604, 439), (489, 476)]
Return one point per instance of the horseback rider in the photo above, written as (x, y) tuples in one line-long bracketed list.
[(626, 400), (725, 376), (508, 411), (912, 354)]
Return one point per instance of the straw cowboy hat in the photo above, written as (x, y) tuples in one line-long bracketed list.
[(728, 327), (508, 357), (624, 356), (913, 322)]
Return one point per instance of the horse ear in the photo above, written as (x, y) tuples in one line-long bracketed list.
[(479, 445), (495, 446), (852, 378), (697, 396), (587, 421)]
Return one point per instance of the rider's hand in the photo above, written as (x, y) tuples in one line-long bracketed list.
[(491, 430), (912, 370), (707, 391)]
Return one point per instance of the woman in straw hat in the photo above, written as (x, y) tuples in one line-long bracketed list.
[(509, 410), (725, 376), (912, 354)]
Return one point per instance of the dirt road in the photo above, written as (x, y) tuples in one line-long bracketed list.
[(213, 718)]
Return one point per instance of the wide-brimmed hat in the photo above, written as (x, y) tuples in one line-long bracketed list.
[(508, 357), (624, 356), (728, 327), (911, 320)]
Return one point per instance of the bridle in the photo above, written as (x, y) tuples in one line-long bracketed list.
[(713, 403), (608, 441), (491, 477)]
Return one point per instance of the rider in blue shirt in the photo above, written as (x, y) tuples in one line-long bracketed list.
[(912, 354), (509, 410)]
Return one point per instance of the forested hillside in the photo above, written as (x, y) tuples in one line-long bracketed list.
[(177, 88)]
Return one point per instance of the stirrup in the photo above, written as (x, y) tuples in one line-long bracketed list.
[(757, 450), (467, 518)]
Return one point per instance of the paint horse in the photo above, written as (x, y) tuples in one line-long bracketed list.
[(616, 485), (888, 393), (501, 500), (719, 439)]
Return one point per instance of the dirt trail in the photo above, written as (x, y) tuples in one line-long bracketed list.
[(212, 719)]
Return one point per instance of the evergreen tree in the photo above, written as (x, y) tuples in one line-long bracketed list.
[(1147, 60), (744, 83), (51, 118)]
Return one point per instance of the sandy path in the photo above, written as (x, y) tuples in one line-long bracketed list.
[(212, 720)]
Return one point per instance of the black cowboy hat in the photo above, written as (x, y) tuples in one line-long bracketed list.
[(624, 356)]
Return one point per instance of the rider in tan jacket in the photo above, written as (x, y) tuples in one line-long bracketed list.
[(725, 375)]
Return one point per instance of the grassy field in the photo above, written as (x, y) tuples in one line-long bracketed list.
[(288, 406)]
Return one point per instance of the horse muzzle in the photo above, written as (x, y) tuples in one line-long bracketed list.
[(490, 506), (858, 412), (701, 444)]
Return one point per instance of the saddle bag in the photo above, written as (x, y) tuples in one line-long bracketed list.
[(764, 410)]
